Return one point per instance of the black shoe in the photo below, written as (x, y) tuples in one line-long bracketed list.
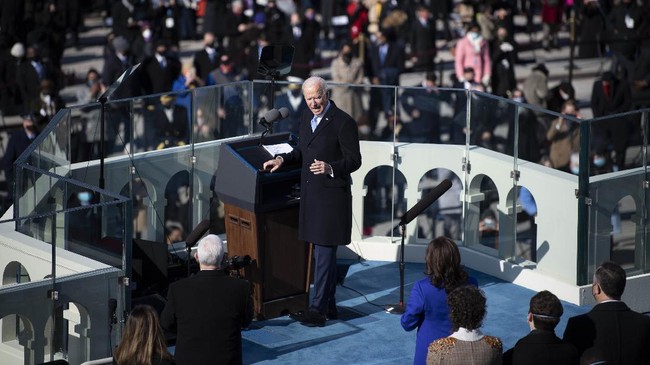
[(332, 314), (309, 318)]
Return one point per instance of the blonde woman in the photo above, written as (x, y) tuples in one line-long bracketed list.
[(143, 342)]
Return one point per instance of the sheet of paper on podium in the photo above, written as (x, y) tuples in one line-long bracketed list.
[(276, 149)]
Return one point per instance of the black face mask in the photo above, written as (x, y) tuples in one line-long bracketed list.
[(347, 57), (296, 93)]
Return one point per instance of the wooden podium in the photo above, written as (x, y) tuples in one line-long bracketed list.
[(261, 217)]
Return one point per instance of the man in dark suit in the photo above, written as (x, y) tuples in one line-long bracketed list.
[(160, 71), (170, 124), (621, 335), (609, 95), (328, 152), (302, 35), (207, 59), (423, 106), (541, 346), (386, 64), (423, 40), (18, 143), (208, 328)]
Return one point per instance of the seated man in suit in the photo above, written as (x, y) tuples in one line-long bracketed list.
[(208, 327), (620, 334), (541, 345)]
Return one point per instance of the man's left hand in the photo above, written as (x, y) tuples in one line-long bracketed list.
[(320, 167)]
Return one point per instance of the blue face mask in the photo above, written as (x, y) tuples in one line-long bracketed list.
[(599, 161), (84, 196), (575, 170)]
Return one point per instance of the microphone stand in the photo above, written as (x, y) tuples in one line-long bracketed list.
[(188, 250), (399, 307)]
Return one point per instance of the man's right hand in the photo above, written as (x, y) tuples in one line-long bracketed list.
[(272, 165)]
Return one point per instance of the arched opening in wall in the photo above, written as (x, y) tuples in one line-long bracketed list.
[(482, 218), (17, 331), (383, 201), (178, 214), (526, 245), (12, 325), (624, 233), (443, 217), (70, 339)]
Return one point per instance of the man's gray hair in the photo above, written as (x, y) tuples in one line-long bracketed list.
[(315, 81), (210, 250)]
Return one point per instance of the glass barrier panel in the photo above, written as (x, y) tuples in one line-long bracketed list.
[(221, 111), (443, 217), (259, 102), (54, 299), (84, 141), (160, 186), (527, 139), (50, 148), (453, 116), (616, 143), (206, 202), (384, 197), (421, 116), (616, 225), (491, 119)]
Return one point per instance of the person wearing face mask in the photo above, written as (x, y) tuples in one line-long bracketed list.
[(530, 132), (49, 102), (18, 142), (144, 43), (423, 40), (473, 51), (559, 95), (206, 59), (170, 123), (564, 136), (160, 71), (291, 99), (348, 69), (504, 55), (303, 38)]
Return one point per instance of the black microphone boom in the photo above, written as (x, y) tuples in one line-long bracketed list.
[(197, 233), (269, 117), (284, 112), (273, 116), (425, 202)]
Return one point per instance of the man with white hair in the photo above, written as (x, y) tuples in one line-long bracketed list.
[(208, 310)]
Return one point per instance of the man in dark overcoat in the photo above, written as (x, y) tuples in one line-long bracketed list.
[(328, 152), (207, 311), (620, 335)]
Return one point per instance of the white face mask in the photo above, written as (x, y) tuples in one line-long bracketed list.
[(473, 36), (169, 22), (146, 34)]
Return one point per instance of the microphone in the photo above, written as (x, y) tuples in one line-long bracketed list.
[(197, 233), (274, 115), (425, 202)]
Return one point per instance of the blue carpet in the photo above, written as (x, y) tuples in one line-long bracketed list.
[(366, 334)]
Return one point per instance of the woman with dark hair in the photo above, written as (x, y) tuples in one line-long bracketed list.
[(466, 345), (427, 308), (143, 342)]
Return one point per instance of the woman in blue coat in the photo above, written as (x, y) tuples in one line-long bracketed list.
[(427, 308)]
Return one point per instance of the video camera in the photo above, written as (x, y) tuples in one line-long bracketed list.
[(236, 262)]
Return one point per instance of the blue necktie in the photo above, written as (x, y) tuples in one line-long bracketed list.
[(314, 123)]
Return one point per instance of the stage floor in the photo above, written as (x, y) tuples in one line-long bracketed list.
[(366, 334)]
